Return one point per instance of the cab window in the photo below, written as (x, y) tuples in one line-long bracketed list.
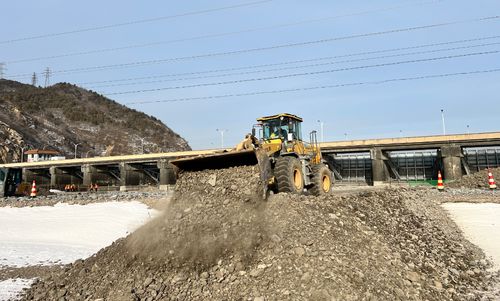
[(273, 129)]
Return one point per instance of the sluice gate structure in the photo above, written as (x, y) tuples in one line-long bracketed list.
[(412, 159), (372, 162)]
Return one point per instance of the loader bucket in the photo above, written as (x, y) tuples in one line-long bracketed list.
[(217, 161), (230, 159)]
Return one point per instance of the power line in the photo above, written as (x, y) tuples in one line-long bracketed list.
[(103, 50), (297, 67), (102, 27), (305, 73), (297, 61), (242, 51), (215, 97)]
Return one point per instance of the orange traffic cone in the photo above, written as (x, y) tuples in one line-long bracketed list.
[(491, 180), (33, 190), (440, 186)]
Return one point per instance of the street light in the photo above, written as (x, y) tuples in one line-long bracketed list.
[(442, 119), (221, 131), (76, 147), (92, 149), (321, 124), (345, 136), (22, 154), (468, 131)]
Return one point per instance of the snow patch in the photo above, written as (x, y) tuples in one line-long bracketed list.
[(11, 288), (64, 233)]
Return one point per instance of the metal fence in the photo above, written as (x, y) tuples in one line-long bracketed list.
[(413, 165), (352, 168), (481, 158)]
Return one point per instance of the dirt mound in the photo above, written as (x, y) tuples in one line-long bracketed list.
[(476, 180), (218, 242)]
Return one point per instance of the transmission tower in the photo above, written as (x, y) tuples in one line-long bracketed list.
[(2, 70), (47, 73), (34, 79)]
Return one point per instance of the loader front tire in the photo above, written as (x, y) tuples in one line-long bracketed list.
[(289, 176), (322, 180)]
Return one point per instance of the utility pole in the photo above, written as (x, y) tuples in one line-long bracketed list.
[(33, 79), (47, 74), (2, 70), (322, 124), (442, 119), (221, 137), (142, 145)]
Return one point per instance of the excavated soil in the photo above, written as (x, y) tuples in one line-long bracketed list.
[(476, 180), (218, 241)]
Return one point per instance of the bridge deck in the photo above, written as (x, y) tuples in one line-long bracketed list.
[(404, 143), (108, 160)]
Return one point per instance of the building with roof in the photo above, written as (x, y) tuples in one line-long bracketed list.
[(36, 155)]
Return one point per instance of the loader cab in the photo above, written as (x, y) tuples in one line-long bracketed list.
[(10, 178), (285, 127)]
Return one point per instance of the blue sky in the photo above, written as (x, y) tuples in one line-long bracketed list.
[(405, 108)]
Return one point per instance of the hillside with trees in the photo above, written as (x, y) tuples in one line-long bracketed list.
[(62, 115)]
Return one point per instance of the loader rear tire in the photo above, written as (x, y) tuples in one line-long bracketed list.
[(322, 180), (289, 176)]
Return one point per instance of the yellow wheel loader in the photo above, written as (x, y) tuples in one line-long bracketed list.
[(286, 162)]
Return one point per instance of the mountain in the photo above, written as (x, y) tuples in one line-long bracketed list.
[(59, 116)]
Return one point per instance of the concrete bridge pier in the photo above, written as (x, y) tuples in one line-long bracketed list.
[(130, 175), (28, 175), (380, 173), (167, 174), (90, 174), (452, 161), (40, 175)]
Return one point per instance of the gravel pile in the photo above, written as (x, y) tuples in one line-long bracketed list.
[(476, 180), (218, 241), (81, 198)]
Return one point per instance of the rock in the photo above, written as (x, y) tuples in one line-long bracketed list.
[(239, 266), (299, 251), (256, 272), (179, 278), (275, 238), (212, 180), (306, 277), (413, 277), (438, 285), (147, 282)]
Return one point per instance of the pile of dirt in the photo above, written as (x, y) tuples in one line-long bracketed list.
[(217, 241), (83, 198), (476, 180)]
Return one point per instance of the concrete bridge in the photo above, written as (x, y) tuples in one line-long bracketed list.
[(373, 161), (117, 171)]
